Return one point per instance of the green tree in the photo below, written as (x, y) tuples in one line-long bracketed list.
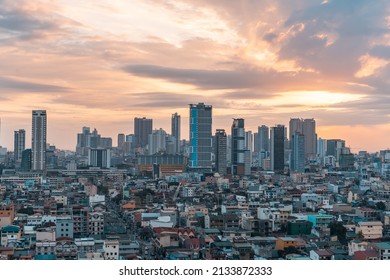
[(359, 235), (337, 228), (380, 206), (27, 210)]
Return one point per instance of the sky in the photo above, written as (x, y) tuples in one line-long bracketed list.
[(102, 63)]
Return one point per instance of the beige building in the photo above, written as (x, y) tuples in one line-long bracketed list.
[(370, 230)]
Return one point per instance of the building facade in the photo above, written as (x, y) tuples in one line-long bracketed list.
[(200, 137), (220, 151), (176, 130), (19, 144), (238, 147), (277, 148), (38, 139), (142, 128)]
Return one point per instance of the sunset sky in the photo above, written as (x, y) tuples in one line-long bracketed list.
[(101, 63)]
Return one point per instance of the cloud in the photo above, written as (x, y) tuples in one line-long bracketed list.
[(27, 20), (15, 85), (381, 51), (334, 35), (244, 77)]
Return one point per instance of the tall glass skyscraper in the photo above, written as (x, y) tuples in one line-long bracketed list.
[(307, 127), (175, 130), (277, 147), (200, 137), (38, 140), (297, 162), (238, 147), (220, 151), (19, 144)]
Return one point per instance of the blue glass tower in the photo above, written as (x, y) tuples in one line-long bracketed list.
[(200, 137)]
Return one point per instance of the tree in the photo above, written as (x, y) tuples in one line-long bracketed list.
[(380, 206), (360, 235), (27, 210), (337, 228)]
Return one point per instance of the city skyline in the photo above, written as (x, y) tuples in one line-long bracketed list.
[(103, 64), (183, 127)]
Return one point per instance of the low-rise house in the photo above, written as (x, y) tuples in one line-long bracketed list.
[(321, 254)]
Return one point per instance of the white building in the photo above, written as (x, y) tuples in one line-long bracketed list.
[(162, 221), (111, 249)]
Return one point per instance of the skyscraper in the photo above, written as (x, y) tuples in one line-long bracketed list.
[(321, 148), (309, 130), (263, 134), (19, 144), (334, 148), (99, 157), (175, 130), (220, 151), (277, 147), (26, 160), (200, 137), (295, 125), (38, 139), (157, 141), (142, 128), (238, 147), (249, 147), (83, 141), (297, 162), (307, 127), (121, 140)]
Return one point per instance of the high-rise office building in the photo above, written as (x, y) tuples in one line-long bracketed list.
[(309, 130), (142, 128), (321, 148), (121, 140), (334, 148), (94, 139), (175, 130), (307, 127), (105, 143), (220, 151), (297, 162), (83, 141), (19, 145), (170, 145), (256, 142), (263, 134), (99, 158), (157, 141), (26, 160), (262, 144), (38, 140), (295, 125), (229, 150), (238, 147), (200, 137), (249, 146), (277, 147)]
